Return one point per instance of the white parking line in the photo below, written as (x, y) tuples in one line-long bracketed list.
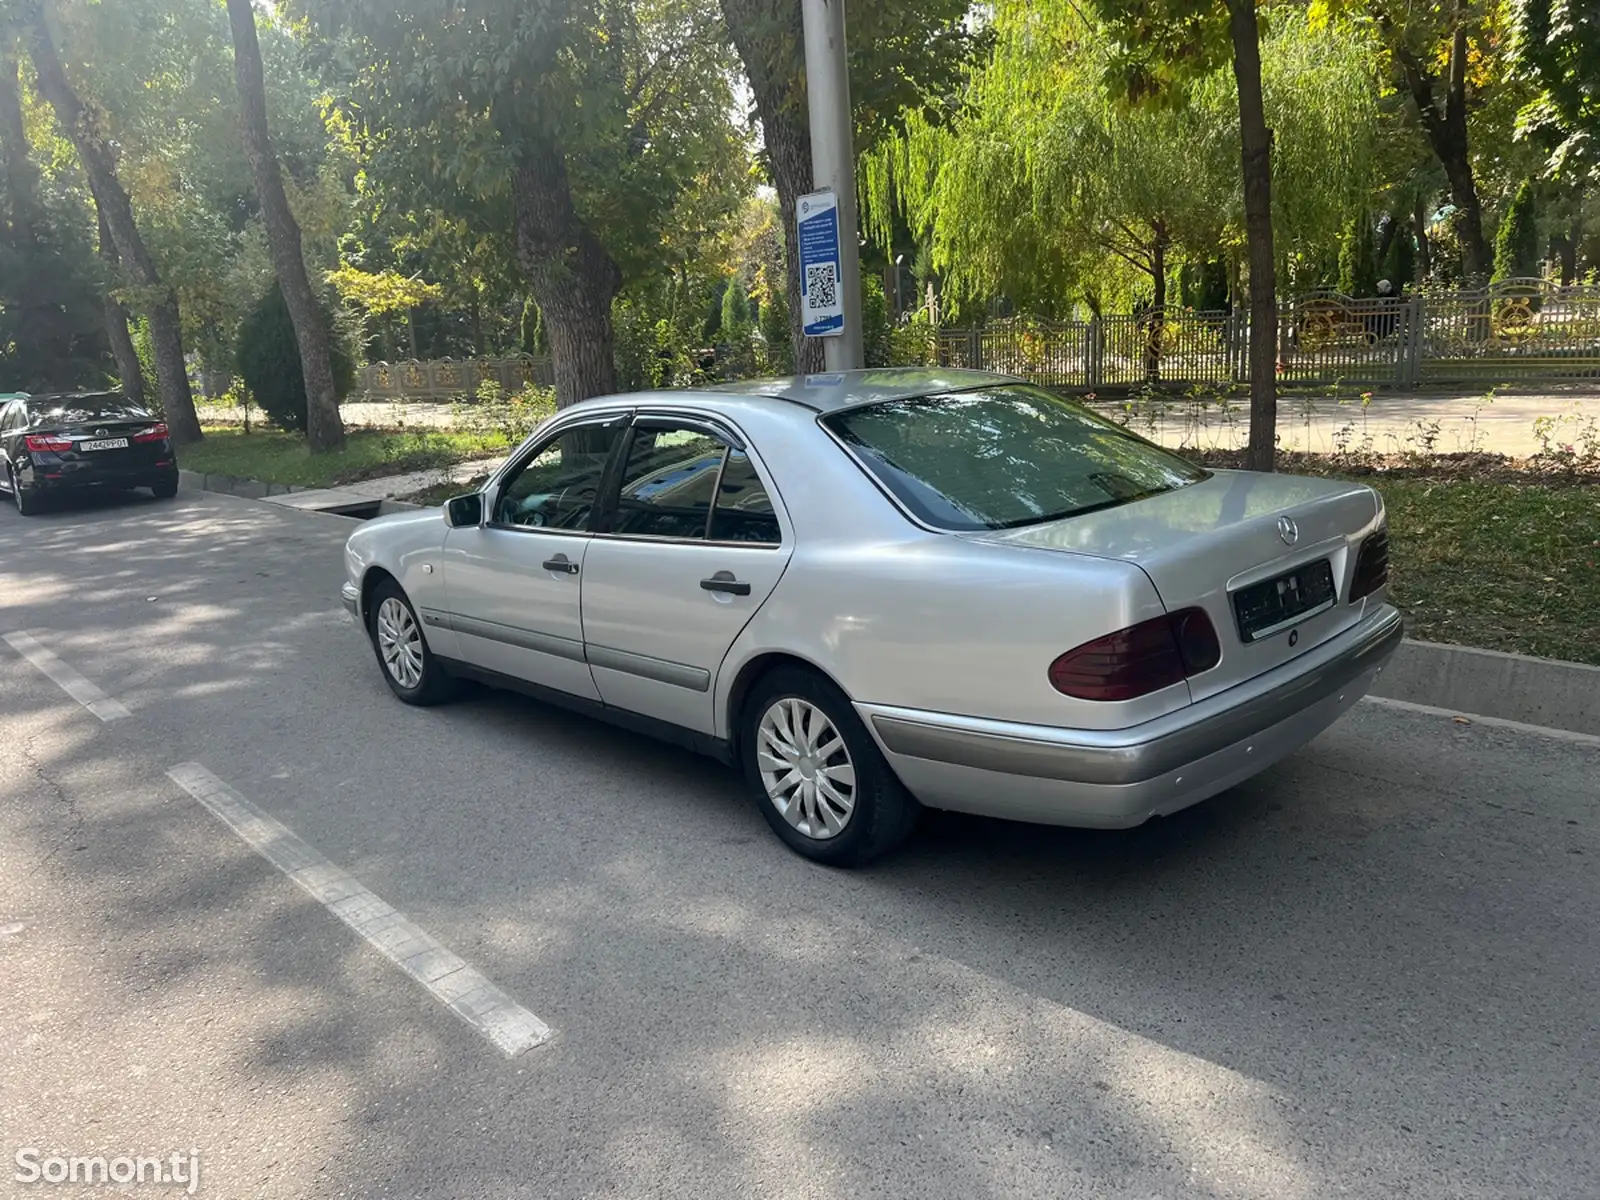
[(68, 680), (460, 987)]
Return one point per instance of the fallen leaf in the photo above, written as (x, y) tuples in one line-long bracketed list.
[(1462, 721)]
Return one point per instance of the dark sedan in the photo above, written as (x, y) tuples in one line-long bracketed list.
[(71, 442)]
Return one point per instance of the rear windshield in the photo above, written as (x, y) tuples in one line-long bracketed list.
[(74, 410), (1004, 456)]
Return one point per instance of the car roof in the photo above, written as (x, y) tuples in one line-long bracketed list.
[(846, 389), (811, 393)]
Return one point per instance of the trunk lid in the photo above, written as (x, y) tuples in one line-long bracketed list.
[(1203, 544), (88, 438)]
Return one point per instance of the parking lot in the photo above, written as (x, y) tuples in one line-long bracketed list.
[(1371, 971)]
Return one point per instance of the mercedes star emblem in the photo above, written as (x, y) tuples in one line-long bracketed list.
[(1288, 531)]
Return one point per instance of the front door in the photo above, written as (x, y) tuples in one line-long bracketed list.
[(692, 549), (513, 583)]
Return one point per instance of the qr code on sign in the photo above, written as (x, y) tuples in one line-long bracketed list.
[(822, 287)]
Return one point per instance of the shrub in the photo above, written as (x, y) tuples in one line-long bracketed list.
[(1516, 242), (1358, 259), (269, 362)]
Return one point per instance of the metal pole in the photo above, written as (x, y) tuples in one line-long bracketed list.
[(833, 162)]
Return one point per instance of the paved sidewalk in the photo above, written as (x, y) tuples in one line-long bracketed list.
[(367, 491), (1389, 423), (1506, 422)]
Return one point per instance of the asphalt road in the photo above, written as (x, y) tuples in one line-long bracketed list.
[(1372, 971)]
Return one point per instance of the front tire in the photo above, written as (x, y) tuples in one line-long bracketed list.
[(818, 777), (408, 666)]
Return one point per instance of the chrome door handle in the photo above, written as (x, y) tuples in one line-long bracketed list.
[(722, 581), (561, 565)]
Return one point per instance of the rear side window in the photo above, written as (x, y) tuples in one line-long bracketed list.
[(1003, 457)]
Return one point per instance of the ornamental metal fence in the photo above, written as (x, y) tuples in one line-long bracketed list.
[(1520, 329), (450, 379)]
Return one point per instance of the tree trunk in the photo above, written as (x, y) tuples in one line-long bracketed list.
[(573, 278), (1446, 131), (1567, 251), (1424, 246), (22, 177), (160, 304), (1255, 141), (770, 39), (324, 427), (1155, 328), (128, 368)]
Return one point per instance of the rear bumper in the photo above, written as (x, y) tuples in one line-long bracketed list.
[(1121, 777), (45, 477)]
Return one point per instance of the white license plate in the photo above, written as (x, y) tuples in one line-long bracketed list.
[(105, 444)]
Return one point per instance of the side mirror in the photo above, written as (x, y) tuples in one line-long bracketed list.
[(461, 511)]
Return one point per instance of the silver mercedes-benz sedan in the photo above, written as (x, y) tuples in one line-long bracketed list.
[(887, 589)]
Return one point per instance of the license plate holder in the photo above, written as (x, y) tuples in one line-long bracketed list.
[(1273, 605), (104, 444)]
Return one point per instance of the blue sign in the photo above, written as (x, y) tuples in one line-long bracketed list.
[(821, 272)]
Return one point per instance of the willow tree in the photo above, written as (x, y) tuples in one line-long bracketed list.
[(1049, 185)]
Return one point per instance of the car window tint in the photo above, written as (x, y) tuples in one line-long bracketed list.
[(744, 510), (80, 410), (1002, 457), (668, 483), (556, 489)]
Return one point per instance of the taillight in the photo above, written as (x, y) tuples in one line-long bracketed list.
[(156, 433), (47, 441), (1372, 566), (1141, 659)]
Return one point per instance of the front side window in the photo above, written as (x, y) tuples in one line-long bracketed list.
[(1004, 456), (557, 487)]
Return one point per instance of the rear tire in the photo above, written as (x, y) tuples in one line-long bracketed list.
[(27, 502), (408, 666), (164, 490), (817, 775)]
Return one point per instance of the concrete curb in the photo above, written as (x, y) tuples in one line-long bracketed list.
[(234, 485), (1488, 683)]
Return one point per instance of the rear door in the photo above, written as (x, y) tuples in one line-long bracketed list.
[(513, 583), (692, 546)]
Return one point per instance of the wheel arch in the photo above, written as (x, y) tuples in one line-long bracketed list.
[(749, 674), (370, 579)]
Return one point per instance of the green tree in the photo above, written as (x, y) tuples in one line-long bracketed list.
[(271, 366), (1557, 47), (906, 56), (1400, 262), (585, 122), (324, 428), (735, 308), (98, 155), (1358, 258), (1166, 43), (1516, 243)]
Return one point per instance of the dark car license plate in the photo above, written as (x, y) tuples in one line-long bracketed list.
[(1265, 608)]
